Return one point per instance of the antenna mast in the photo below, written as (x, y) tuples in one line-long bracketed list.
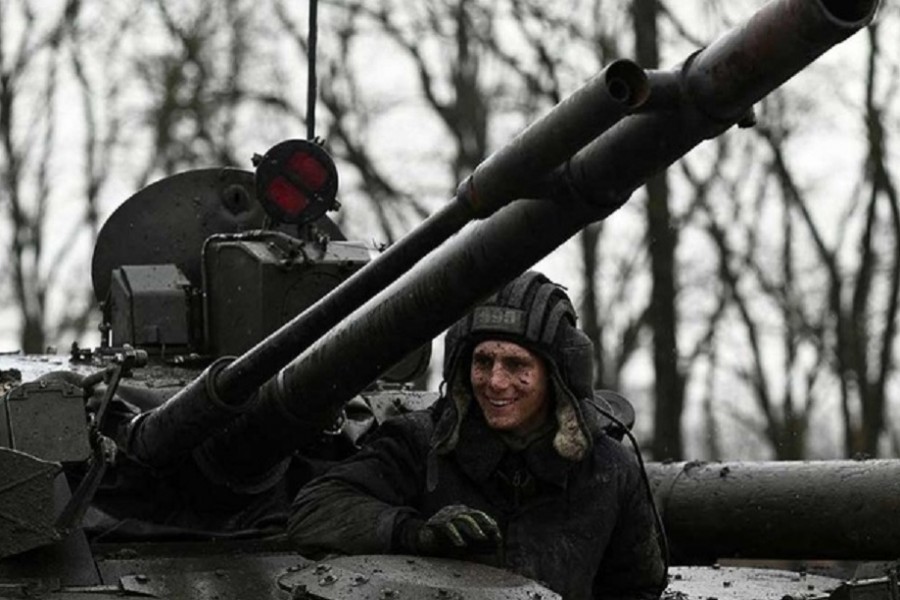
[(311, 83)]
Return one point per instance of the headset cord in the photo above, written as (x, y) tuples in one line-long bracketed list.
[(662, 540)]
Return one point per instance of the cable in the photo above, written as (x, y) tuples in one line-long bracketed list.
[(661, 531), (311, 83)]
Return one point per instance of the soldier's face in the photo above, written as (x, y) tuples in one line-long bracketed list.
[(510, 384)]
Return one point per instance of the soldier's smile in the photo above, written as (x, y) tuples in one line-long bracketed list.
[(510, 386)]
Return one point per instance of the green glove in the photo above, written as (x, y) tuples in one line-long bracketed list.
[(457, 528)]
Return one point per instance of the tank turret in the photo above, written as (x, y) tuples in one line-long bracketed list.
[(240, 329)]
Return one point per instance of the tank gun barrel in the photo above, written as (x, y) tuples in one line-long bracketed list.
[(780, 510), (223, 390), (506, 175), (715, 88), (711, 91)]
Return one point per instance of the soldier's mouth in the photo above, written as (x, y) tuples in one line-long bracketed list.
[(500, 403)]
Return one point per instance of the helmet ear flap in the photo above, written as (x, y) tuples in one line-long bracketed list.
[(453, 342), (575, 355)]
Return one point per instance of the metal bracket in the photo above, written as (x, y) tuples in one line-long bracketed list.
[(103, 456), (104, 449)]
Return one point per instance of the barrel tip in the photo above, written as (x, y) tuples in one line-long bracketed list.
[(627, 83), (851, 13)]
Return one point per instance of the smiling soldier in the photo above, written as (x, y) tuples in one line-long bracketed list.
[(510, 385), (511, 467)]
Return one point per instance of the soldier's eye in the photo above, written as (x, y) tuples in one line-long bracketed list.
[(481, 362), (516, 364)]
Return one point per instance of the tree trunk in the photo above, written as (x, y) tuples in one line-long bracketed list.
[(590, 318), (669, 384)]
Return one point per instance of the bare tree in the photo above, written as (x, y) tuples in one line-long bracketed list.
[(197, 85), (39, 50), (662, 239), (840, 336), (862, 302), (761, 307)]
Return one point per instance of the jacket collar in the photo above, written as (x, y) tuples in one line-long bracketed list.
[(481, 450)]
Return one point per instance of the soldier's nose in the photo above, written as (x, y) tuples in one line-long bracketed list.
[(498, 378)]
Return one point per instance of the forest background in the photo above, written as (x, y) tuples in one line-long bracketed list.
[(746, 300)]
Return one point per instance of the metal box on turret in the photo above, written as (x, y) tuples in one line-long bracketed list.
[(257, 281)]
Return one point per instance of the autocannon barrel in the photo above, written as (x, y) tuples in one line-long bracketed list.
[(780, 510), (508, 174), (478, 260), (713, 90), (222, 392)]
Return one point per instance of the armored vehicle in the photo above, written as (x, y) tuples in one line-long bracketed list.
[(246, 346)]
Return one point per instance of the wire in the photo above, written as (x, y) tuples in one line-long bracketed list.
[(662, 539), (312, 82)]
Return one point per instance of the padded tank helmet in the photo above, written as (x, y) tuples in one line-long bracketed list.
[(537, 314)]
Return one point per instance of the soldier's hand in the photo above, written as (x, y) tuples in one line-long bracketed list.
[(457, 528)]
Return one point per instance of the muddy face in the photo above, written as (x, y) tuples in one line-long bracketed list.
[(510, 386)]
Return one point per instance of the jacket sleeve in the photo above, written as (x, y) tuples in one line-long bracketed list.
[(356, 506), (633, 566)]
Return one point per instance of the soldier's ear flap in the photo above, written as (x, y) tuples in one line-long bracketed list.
[(576, 357)]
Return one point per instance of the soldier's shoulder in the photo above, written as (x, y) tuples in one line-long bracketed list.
[(614, 454), (417, 419), (416, 426)]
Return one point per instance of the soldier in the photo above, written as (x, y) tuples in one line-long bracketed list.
[(511, 467)]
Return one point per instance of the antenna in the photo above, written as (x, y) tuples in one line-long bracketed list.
[(311, 83)]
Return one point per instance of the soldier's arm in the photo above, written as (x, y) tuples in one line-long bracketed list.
[(356, 506)]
